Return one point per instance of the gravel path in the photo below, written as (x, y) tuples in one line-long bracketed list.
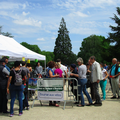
[(110, 110)]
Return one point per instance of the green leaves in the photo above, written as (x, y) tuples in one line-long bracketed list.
[(94, 45), (35, 48)]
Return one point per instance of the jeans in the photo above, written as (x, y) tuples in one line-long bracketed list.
[(25, 101), (103, 87), (16, 90), (81, 89)]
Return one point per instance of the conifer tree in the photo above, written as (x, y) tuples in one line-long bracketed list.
[(63, 46), (114, 37)]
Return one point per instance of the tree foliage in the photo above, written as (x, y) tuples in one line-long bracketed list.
[(49, 56), (72, 58), (114, 37), (63, 46), (96, 46), (5, 34), (35, 48)]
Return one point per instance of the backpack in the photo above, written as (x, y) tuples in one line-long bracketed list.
[(18, 78)]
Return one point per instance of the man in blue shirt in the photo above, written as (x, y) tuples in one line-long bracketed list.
[(114, 74), (105, 67)]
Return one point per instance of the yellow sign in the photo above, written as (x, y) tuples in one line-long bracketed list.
[(23, 58), (28, 61)]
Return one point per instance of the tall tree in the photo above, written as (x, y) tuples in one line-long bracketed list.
[(63, 46), (5, 34), (114, 37), (94, 45)]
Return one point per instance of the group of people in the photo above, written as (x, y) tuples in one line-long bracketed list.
[(94, 72), (15, 81), (97, 74)]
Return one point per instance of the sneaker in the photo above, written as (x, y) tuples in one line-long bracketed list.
[(20, 114), (89, 104), (56, 105), (94, 103), (6, 112), (118, 97), (76, 103), (103, 100), (80, 105), (27, 108), (11, 115), (98, 104), (24, 108), (114, 97)]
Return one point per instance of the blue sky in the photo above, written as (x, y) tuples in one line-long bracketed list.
[(37, 21)]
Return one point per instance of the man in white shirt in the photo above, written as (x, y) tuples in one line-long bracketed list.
[(96, 76)]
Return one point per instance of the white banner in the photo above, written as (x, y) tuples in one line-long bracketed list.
[(54, 95), (50, 89)]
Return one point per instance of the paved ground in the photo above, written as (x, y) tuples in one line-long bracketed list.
[(110, 110)]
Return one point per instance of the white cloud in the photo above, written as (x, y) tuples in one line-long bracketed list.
[(51, 26), (12, 5), (3, 13), (79, 14), (24, 13), (53, 38), (9, 14), (84, 24), (84, 31), (41, 39), (29, 21), (24, 6), (83, 4), (24, 31)]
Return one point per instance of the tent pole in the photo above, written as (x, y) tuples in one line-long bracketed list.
[(45, 66)]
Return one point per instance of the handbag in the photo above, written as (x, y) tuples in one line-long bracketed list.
[(88, 84)]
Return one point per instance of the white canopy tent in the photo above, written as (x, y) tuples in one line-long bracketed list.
[(15, 51)]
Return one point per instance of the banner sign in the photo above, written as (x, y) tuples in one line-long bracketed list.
[(50, 89)]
